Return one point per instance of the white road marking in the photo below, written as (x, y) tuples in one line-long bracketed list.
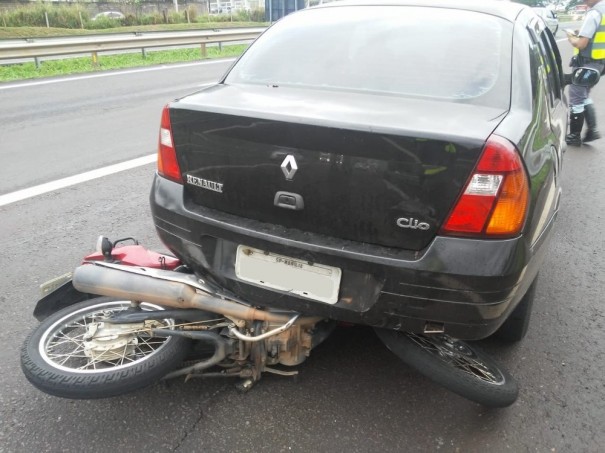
[(73, 180), (112, 73)]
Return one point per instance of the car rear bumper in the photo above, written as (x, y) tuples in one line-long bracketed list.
[(466, 287)]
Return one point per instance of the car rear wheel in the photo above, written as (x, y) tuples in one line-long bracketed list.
[(515, 327)]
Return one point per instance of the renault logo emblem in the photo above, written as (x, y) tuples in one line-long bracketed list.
[(289, 167)]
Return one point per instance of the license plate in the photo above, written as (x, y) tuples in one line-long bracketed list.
[(51, 285), (310, 280)]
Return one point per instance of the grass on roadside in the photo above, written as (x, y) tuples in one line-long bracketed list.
[(106, 62)]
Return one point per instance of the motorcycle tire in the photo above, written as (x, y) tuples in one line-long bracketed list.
[(455, 365), (54, 360)]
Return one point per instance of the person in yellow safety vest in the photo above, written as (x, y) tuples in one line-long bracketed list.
[(590, 45)]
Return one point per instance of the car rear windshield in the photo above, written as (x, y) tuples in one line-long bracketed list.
[(449, 54)]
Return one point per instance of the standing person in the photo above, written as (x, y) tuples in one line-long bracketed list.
[(590, 42)]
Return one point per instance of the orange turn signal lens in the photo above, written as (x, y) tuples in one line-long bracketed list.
[(509, 213)]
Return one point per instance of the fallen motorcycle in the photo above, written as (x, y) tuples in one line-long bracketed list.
[(128, 317)]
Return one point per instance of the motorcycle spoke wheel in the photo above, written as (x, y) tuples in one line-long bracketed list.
[(459, 355), (77, 353), (65, 346), (454, 364)]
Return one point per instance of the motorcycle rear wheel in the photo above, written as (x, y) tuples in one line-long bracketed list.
[(455, 365), (54, 360)]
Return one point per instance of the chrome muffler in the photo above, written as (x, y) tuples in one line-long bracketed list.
[(168, 289)]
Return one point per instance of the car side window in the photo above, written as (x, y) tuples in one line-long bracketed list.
[(557, 57), (554, 61), (550, 62)]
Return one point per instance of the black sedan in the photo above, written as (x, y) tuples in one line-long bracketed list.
[(410, 148)]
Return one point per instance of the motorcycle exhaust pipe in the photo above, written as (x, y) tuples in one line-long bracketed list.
[(165, 288)]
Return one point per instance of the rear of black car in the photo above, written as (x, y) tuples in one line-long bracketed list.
[(342, 170)]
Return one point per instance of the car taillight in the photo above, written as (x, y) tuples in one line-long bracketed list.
[(168, 166), (495, 200)]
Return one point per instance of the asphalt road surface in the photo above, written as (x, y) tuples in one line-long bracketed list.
[(353, 395), (56, 127)]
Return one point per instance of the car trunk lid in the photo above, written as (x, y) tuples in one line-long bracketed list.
[(384, 170)]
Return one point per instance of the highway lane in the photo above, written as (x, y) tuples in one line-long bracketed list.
[(50, 131), (353, 395)]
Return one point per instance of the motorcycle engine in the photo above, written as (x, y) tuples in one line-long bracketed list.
[(290, 347)]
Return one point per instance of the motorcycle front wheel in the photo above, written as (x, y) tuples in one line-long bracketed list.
[(75, 353), (455, 365)]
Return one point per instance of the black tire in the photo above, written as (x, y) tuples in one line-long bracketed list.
[(145, 362), (515, 327), (455, 365)]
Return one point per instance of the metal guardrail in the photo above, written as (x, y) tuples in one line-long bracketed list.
[(45, 47)]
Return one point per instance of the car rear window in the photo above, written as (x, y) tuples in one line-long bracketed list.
[(462, 56)]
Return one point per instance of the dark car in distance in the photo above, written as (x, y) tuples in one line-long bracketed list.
[(394, 164)]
